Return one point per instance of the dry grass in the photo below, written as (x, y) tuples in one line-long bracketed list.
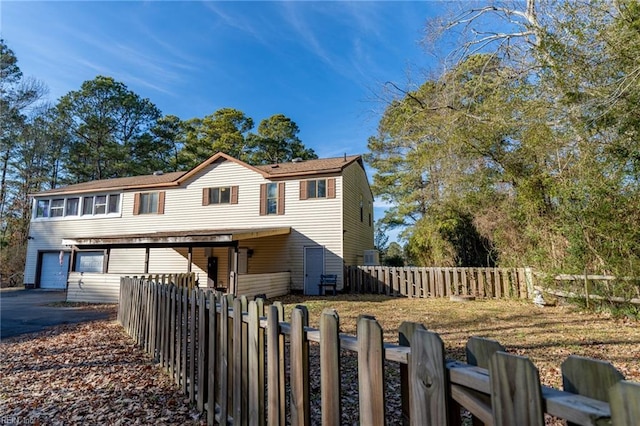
[(545, 335)]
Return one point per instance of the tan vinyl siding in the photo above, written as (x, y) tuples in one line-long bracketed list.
[(313, 222), (265, 250), (127, 261), (359, 234), (93, 287), (271, 285)]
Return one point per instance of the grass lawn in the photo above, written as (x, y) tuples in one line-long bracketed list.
[(546, 335)]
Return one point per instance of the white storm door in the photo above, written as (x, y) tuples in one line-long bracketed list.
[(313, 268)]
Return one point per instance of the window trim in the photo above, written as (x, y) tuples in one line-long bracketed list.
[(264, 199), (207, 199), (330, 188), (58, 209), (137, 203), (46, 209)]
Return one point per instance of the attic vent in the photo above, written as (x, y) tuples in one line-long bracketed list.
[(297, 160), (275, 166), (158, 173)]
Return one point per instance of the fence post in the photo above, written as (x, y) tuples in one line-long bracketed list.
[(516, 396), (212, 367), (479, 351), (330, 367), (256, 364), (238, 415), (192, 344), (273, 364), (224, 396), (181, 336), (589, 377), (202, 347), (405, 337), (429, 403), (370, 371), (624, 397), (299, 347)]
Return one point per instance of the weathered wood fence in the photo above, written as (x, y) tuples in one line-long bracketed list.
[(244, 368), (425, 282), (187, 279)]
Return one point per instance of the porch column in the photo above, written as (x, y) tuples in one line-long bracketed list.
[(107, 255), (146, 260), (190, 259), (233, 275), (72, 259)]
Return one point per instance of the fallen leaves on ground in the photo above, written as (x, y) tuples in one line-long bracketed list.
[(89, 373)]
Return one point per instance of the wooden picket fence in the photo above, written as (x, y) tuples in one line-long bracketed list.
[(186, 279), (244, 368), (427, 282)]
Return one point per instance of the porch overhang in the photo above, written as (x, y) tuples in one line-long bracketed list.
[(197, 238)]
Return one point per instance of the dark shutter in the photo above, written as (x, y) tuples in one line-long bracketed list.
[(234, 195), (263, 199), (136, 203), (205, 196), (280, 198), (161, 202), (331, 188), (303, 189)]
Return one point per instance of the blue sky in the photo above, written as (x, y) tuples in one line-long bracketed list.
[(323, 64)]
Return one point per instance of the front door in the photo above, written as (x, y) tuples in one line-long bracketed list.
[(313, 268), (212, 272)]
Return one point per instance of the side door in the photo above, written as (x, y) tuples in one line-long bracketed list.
[(313, 268)]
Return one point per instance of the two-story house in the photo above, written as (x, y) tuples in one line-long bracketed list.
[(249, 229)]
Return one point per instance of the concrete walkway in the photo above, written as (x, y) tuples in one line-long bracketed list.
[(26, 311)]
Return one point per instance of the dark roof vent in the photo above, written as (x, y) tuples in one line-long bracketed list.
[(297, 160), (158, 173)]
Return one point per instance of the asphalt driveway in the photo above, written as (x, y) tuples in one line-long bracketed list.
[(27, 311)]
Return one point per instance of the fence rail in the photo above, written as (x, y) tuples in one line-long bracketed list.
[(423, 282), (231, 361)]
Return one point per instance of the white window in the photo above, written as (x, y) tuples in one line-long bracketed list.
[(149, 203), (100, 204), (72, 207), (87, 206), (272, 198), (114, 203), (57, 207), (42, 208), (89, 261), (317, 188)]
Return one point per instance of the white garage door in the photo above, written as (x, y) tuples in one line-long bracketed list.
[(54, 270)]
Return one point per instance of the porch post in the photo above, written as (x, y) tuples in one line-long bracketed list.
[(190, 258), (107, 255), (146, 260), (233, 279), (72, 259)]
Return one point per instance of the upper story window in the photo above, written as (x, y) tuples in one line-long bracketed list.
[(56, 208), (220, 195), (318, 188), (148, 203), (72, 206), (86, 206), (272, 198), (42, 208)]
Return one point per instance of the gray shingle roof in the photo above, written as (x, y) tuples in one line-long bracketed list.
[(271, 171)]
